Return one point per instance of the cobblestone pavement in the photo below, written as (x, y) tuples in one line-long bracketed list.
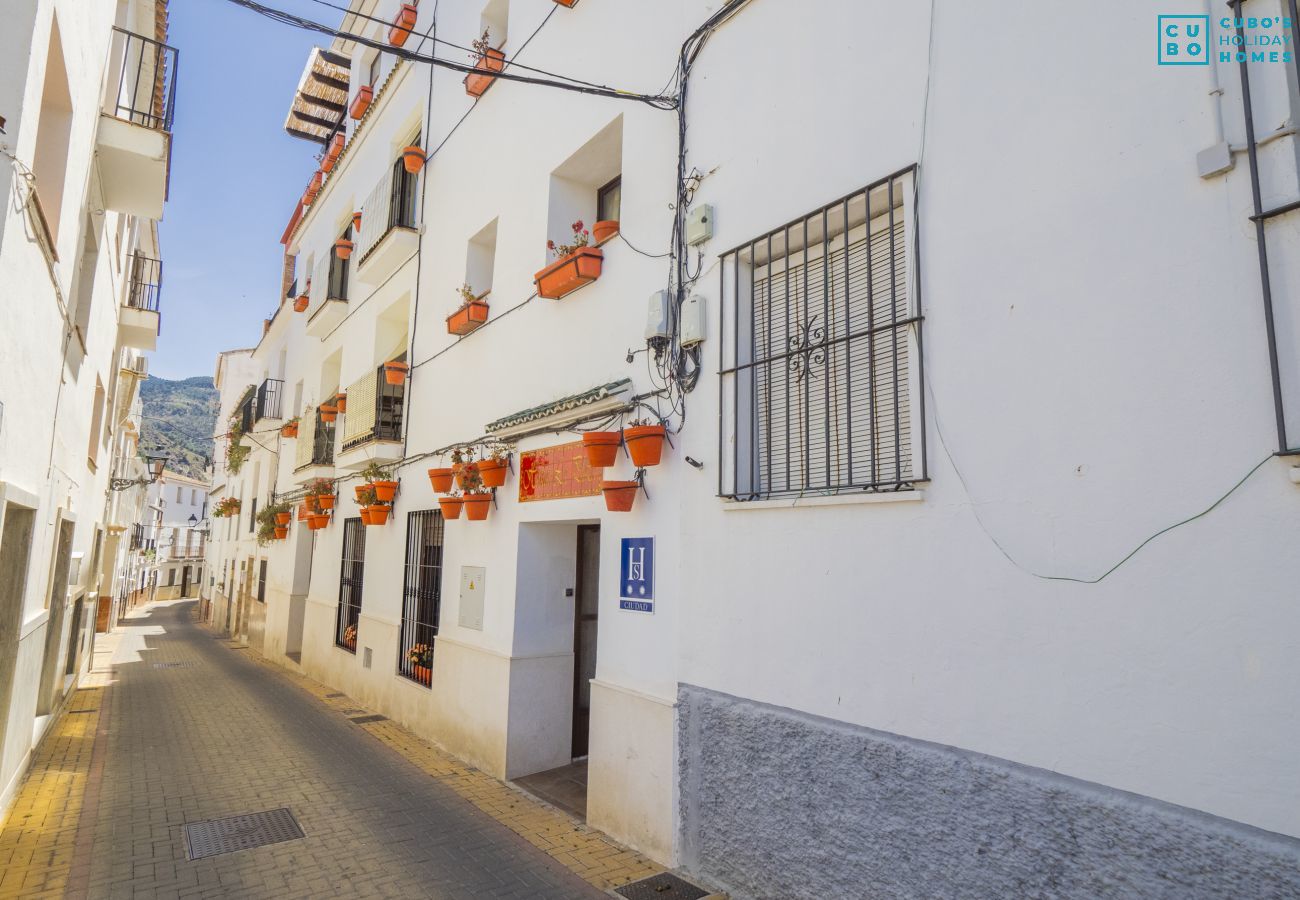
[(189, 728)]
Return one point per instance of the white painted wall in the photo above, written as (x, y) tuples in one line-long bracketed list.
[(1095, 360)]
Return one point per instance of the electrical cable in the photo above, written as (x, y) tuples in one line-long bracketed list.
[(568, 83)]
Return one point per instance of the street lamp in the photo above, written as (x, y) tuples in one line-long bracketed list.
[(156, 464)]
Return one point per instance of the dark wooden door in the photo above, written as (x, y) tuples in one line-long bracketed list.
[(586, 606)]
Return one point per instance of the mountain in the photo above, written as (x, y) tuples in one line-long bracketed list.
[(179, 420)]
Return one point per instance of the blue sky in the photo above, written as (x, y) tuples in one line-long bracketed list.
[(235, 178)]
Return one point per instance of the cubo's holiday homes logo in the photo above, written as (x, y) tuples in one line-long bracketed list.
[(1182, 40), (1187, 40)]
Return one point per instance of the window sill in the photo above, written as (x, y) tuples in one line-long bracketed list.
[(912, 496)]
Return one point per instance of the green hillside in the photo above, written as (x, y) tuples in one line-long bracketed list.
[(179, 419)]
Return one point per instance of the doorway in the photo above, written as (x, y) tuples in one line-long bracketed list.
[(185, 581), (586, 608)]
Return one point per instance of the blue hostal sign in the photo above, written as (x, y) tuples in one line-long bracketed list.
[(636, 585)]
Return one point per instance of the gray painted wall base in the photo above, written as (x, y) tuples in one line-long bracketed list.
[(777, 803)]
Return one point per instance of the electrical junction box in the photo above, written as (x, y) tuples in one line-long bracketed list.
[(699, 225), (693, 321), (471, 596), (656, 323)]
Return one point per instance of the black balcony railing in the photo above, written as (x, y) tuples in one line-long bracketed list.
[(322, 446), (401, 205), (144, 284), (146, 80), (389, 401), (269, 394), (248, 414)]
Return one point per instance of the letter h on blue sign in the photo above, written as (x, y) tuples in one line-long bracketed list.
[(1183, 40), (636, 585)]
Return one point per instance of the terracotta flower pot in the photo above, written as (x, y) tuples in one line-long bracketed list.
[(395, 372), (441, 479), (468, 318), (341, 401), (317, 521), (343, 248), (303, 512), (601, 447), (568, 3), (619, 495), (336, 146), (283, 518), (451, 507), (604, 231), (385, 490), (361, 102), (378, 514), (402, 25), (313, 187), (327, 163), (281, 532), (356, 222), (365, 515), (493, 472), (569, 273), (311, 504), (328, 412), (325, 501), (360, 489), (645, 443), (301, 303), (477, 506), (423, 674), (290, 430), (413, 158), (462, 471), (479, 81)]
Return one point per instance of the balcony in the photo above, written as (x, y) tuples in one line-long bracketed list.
[(269, 397), (372, 426), (139, 320), (332, 276), (314, 448), (390, 234), (133, 142)]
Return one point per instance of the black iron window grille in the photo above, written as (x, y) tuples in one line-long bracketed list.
[(146, 80), (269, 393), (261, 582), (337, 285), (821, 353), (350, 584), (421, 595), (144, 282), (402, 203)]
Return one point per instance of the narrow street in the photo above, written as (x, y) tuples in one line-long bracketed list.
[(188, 727)]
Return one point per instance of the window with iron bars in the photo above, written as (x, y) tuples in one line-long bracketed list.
[(337, 286), (821, 370), (351, 580), (421, 595)]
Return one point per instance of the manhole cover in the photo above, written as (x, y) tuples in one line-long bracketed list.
[(217, 836), (664, 886), (361, 720), (173, 665)]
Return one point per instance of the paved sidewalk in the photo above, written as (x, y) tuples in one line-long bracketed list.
[(190, 729)]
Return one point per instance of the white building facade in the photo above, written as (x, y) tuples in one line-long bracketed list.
[(940, 310), (85, 94)]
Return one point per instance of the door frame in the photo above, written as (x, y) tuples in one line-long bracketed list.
[(578, 588)]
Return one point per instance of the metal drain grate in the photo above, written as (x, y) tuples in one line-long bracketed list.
[(217, 836), (664, 886), (361, 720), (334, 696), (174, 665)]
